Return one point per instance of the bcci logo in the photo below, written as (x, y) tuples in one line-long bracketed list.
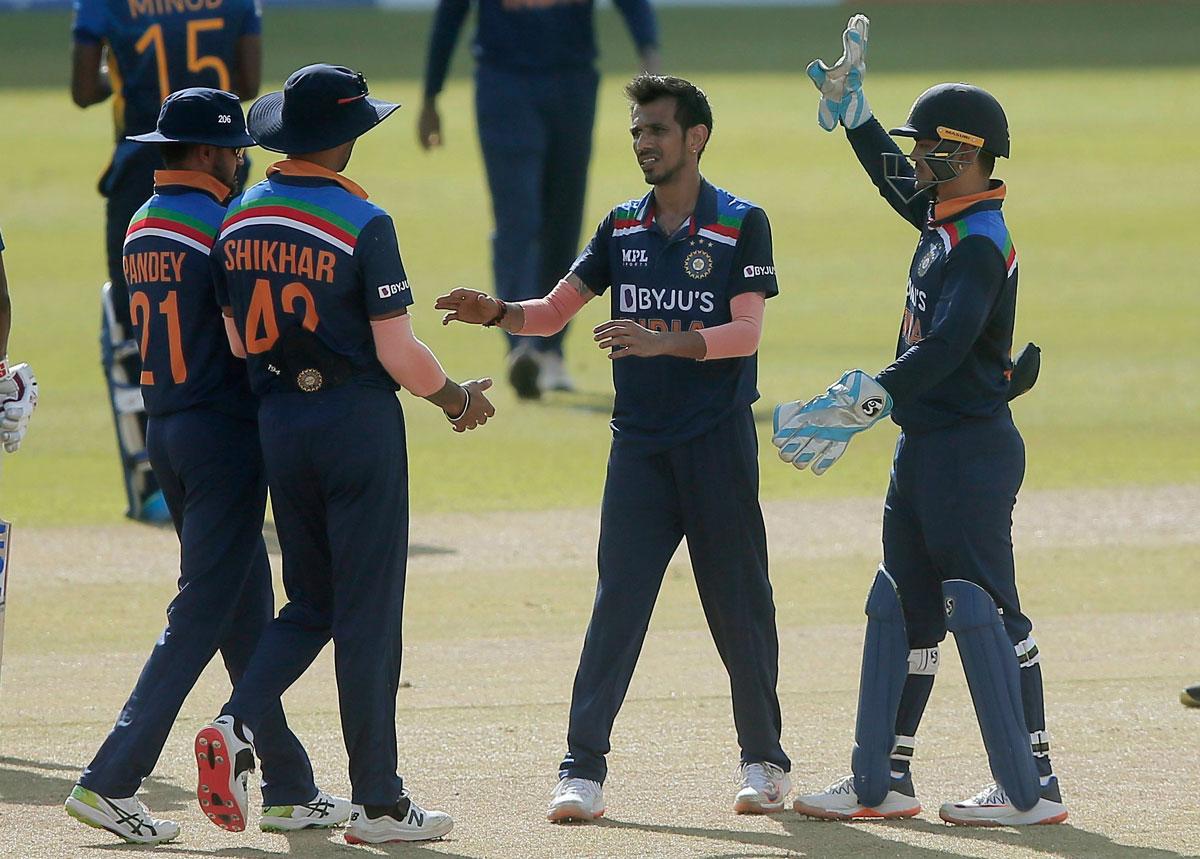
[(698, 264), (310, 380), (927, 260)]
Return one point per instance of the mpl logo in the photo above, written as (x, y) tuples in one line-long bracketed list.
[(758, 271), (390, 289), (635, 257)]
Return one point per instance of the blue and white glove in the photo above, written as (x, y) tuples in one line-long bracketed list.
[(816, 433), (18, 399), (842, 98)]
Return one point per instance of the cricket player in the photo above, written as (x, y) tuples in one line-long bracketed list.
[(690, 267), (535, 105), (204, 449), (316, 297), (18, 386), (139, 52), (947, 522)]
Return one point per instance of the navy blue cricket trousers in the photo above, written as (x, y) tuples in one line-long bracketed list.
[(210, 469), (338, 471), (535, 130), (948, 515), (705, 490)]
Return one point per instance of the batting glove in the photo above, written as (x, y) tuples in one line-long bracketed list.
[(816, 433), (842, 98), (18, 399)]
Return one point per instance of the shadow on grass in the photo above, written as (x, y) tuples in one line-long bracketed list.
[(47, 783), (315, 843), (806, 837)]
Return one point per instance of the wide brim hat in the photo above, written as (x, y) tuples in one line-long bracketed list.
[(321, 106), (200, 115)]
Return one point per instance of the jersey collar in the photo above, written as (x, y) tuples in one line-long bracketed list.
[(192, 179), (705, 212), (308, 170), (943, 212)]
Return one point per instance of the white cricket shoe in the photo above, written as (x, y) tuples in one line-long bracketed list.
[(128, 818), (321, 812), (840, 802), (762, 788), (576, 799), (414, 824), (990, 807), (224, 761), (553, 375)]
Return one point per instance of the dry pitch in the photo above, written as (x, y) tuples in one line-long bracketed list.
[(493, 631)]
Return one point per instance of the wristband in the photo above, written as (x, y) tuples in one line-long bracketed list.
[(499, 316), (466, 405)]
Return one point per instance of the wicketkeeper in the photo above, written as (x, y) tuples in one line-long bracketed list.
[(947, 522)]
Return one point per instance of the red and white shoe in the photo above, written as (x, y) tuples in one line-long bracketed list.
[(840, 802), (991, 807), (762, 788), (224, 761), (578, 799)]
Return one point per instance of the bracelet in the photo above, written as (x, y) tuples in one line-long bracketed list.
[(499, 316), (466, 406)]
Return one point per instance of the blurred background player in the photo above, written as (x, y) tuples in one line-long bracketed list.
[(203, 446), (1190, 697), (18, 387), (959, 462), (691, 267), (535, 105), (139, 52), (310, 277)]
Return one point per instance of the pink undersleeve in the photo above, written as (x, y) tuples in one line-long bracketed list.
[(738, 337), (406, 358), (549, 315)]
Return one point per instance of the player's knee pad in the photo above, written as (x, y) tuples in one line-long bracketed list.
[(992, 675), (884, 669)]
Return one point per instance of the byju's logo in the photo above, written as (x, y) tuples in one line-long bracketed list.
[(758, 271), (634, 257), (639, 299), (390, 289)]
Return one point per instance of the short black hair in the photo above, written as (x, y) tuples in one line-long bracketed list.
[(174, 154), (691, 104), (987, 162)]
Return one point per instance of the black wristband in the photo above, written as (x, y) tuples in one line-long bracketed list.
[(499, 316)]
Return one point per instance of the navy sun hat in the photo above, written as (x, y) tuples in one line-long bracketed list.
[(200, 115), (320, 107)]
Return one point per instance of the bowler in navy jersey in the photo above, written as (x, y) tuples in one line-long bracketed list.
[(958, 465), (203, 446), (535, 105), (688, 269)]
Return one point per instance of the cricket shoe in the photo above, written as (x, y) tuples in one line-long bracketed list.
[(523, 372), (1190, 697), (224, 761), (128, 818), (405, 821), (321, 812), (578, 799), (553, 375), (990, 807), (840, 802), (762, 788)]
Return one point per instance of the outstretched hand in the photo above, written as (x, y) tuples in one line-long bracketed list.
[(468, 305), (842, 98), (478, 407)]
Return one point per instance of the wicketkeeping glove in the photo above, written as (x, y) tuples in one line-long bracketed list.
[(18, 399), (816, 433), (842, 98)]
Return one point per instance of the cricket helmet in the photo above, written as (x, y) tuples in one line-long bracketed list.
[(961, 113)]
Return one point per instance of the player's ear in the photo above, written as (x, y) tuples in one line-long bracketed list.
[(696, 138)]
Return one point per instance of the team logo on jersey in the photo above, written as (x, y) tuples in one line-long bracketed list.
[(698, 264), (927, 260), (310, 380)]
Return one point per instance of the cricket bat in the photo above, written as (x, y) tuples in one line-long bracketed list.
[(5, 539)]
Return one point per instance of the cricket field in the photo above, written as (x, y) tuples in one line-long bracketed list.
[(1102, 100)]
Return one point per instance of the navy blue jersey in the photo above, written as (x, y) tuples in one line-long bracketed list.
[(186, 360), (954, 353), (679, 283), (156, 47), (529, 35), (304, 248)]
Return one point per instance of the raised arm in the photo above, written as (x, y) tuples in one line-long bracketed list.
[(643, 29)]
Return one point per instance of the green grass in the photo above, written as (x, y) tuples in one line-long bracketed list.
[(1101, 205)]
